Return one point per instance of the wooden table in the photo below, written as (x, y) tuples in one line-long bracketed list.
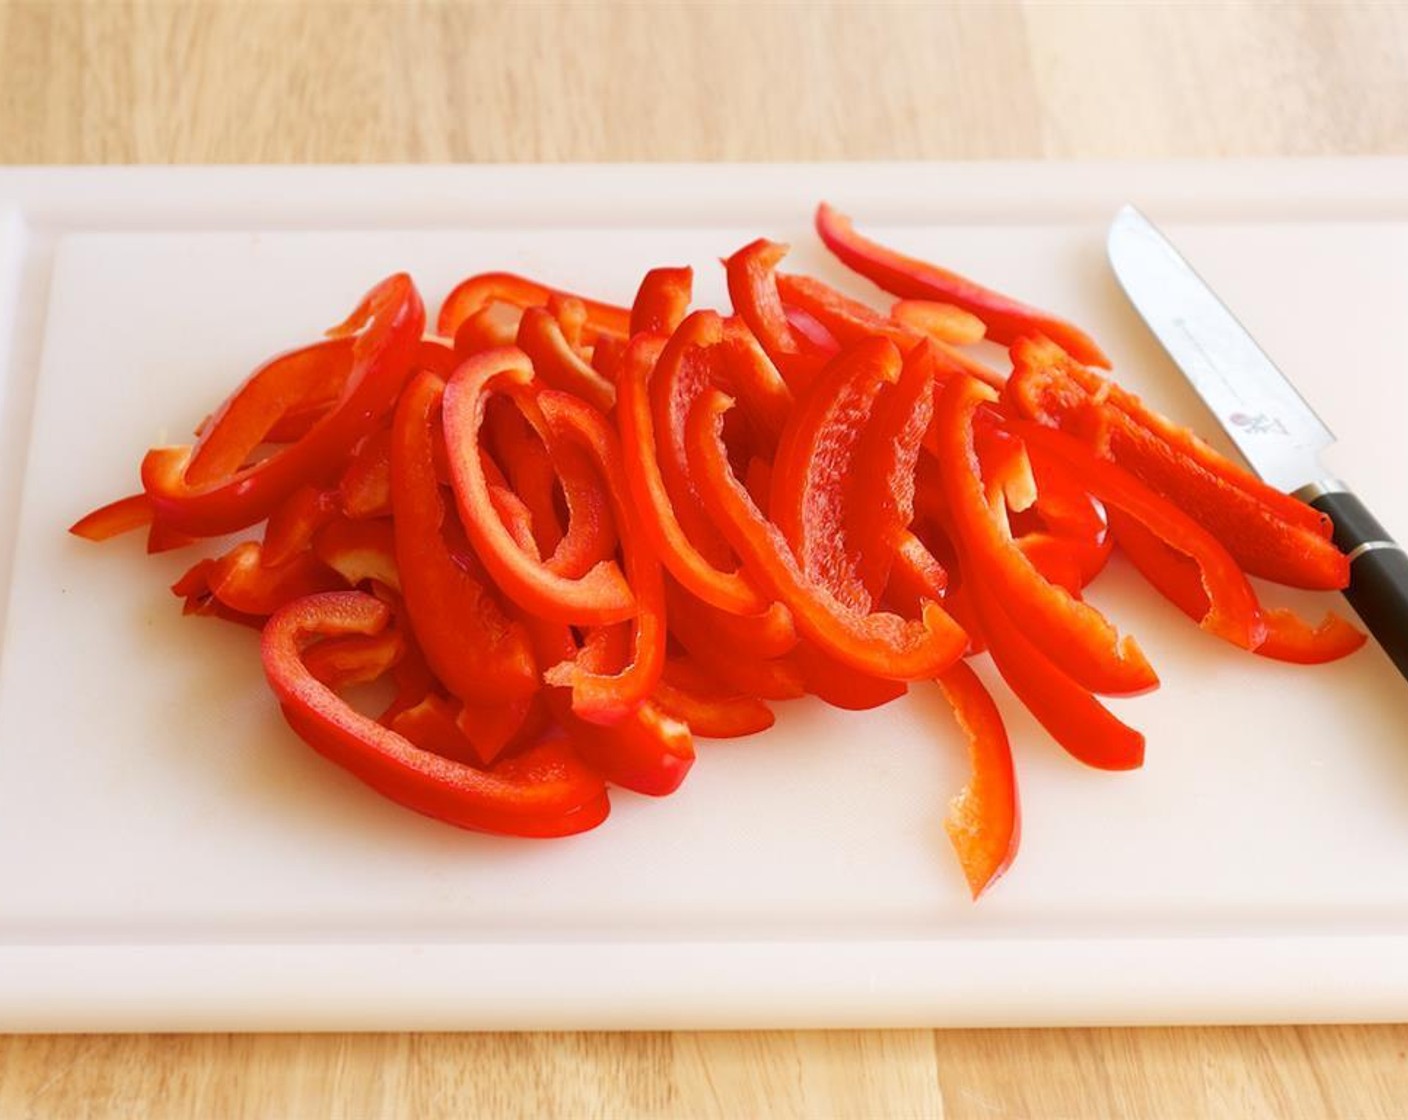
[(228, 82)]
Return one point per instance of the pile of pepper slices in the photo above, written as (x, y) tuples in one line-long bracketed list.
[(573, 536)]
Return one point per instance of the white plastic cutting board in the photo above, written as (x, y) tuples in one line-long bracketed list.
[(171, 856)]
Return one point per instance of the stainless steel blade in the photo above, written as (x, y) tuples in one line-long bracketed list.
[(1272, 426)]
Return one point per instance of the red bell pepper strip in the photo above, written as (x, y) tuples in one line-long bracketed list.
[(755, 383), (811, 330), (355, 659), (818, 468), (728, 590), (984, 820), (430, 724), (607, 694), (601, 596), (1062, 626), (606, 355), (359, 551), (710, 710), (687, 366), (545, 791), (662, 301), (1005, 318), (1232, 607), (1270, 534), (647, 752), (879, 643), (241, 581), (492, 326), (115, 518), (914, 576), (532, 477), (752, 668), (503, 287), (752, 286), (292, 525), (207, 490), (880, 491), (1070, 714), (365, 486), (1176, 577), (840, 686), (942, 322), (557, 365), (847, 320), (571, 315), (473, 646), (768, 634)]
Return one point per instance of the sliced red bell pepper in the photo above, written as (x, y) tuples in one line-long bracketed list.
[(879, 496), (757, 667), (847, 320), (984, 820), (532, 477), (1270, 534), (662, 301), (1176, 577), (601, 596), (753, 380), (360, 550), (818, 468), (557, 365), (942, 322), (478, 652), (545, 791), (115, 518), (1232, 607), (493, 325), (295, 520), (241, 581), (355, 659), (879, 643), (1062, 626), (767, 634), (647, 752), (1070, 714), (208, 489), (1005, 318), (608, 693), (728, 590), (711, 710), (915, 575), (504, 287), (839, 685), (752, 286), (365, 485)]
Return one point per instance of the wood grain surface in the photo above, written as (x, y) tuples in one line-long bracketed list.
[(347, 82)]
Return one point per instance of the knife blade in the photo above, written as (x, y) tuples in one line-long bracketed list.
[(1270, 423)]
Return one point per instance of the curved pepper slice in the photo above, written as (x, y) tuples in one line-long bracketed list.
[(606, 694), (463, 631), (847, 320), (880, 643), (984, 822), (601, 596), (1232, 610), (728, 590), (557, 365), (206, 490), (241, 580), (943, 322), (1005, 318), (1270, 534), (711, 710), (752, 286), (115, 518), (545, 791), (1070, 714), (1176, 577), (486, 288), (840, 686), (662, 301), (817, 468), (880, 491), (1060, 625)]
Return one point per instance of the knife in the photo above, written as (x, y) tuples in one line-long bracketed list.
[(1275, 430)]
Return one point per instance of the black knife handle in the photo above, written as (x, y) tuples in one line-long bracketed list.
[(1378, 572)]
